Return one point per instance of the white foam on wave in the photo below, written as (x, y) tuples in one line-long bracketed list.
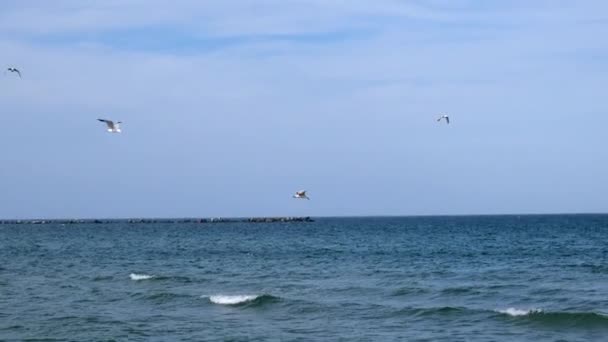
[(519, 312), (232, 300), (135, 276)]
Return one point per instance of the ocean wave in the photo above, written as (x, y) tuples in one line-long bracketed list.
[(514, 312), (462, 290), (176, 278), (241, 299), (561, 318), (136, 277), (163, 297), (445, 310), (431, 311), (593, 268), (182, 279), (405, 291), (536, 316)]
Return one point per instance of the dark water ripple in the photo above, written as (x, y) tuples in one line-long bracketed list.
[(493, 278)]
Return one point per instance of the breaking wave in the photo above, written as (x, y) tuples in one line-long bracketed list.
[(136, 277), (250, 300), (514, 312), (561, 318)]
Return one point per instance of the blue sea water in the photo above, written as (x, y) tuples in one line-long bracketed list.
[(468, 278)]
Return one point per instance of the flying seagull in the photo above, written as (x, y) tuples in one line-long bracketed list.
[(112, 127), (301, 195), (447, 118), (14, 70)]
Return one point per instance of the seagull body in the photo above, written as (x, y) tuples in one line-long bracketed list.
[(14, 70), (447, 118), (301, 195), (112, 127)]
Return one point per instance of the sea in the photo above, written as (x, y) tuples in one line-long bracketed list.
[(462, 278)]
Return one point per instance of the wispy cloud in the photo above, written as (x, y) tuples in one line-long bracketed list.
[(218, 18)]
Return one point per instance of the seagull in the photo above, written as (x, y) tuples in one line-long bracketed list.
[(301, 195), (447, 118), (14, 70), (112, 127)]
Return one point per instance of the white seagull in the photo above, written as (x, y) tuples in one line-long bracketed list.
[(447, 118), (301, 195), (14, 70), (112, 127)]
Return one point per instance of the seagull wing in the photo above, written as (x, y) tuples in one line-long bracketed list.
[(109, 123), (447, 118)]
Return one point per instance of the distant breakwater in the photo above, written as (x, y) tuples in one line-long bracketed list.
[(152, 221)]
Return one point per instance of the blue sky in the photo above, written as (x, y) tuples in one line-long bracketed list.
[(231, 106)]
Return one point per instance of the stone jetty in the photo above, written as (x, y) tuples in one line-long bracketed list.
[(159, 221)]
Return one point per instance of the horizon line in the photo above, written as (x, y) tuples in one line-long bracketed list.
[(300, 216)]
